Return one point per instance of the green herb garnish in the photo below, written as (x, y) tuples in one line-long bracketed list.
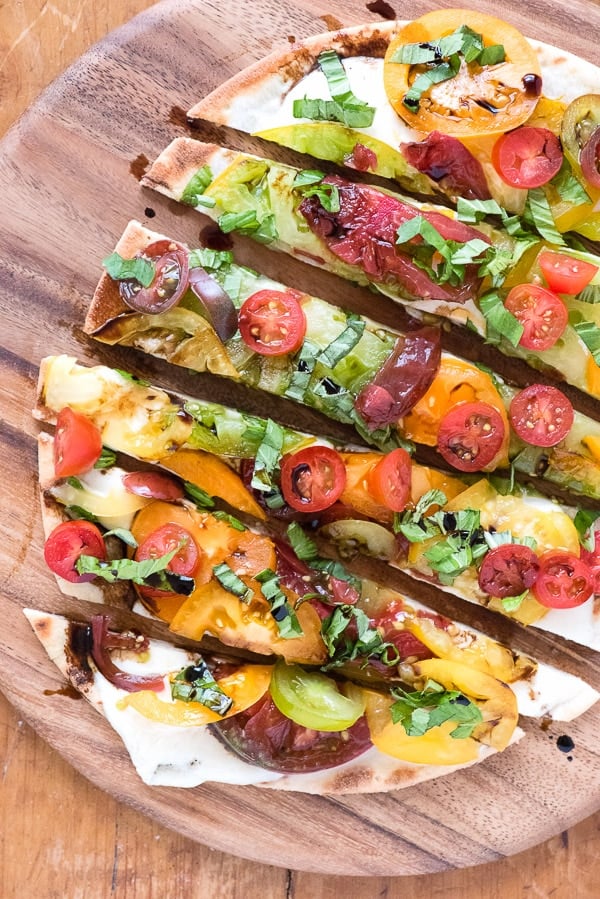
[(195, 683), (281, 610), (229, 580), (137, 269), (421, 710)]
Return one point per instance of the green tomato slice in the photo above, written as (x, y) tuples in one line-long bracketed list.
[(313, 700)]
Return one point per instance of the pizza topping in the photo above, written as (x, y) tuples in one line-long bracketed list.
[(449, 163), (349, 635), (362, 158), (229, 580), (564, 581), (541, 415), (313, 478), (344, 106), (216, 302), (281, 607), (508, 570), (101, 644), (138, 269), (471, 435), (67, 543), (77, 444), (542, 314), (432, 706), (169, 282), (527, 157), (196, 683), (580, 136), (402, 381), (532, 82), (153, 485), (314, 700), (390, 480), (272, 322), (566, 274)]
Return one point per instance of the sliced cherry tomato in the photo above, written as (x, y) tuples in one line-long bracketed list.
[(390, 480), (508, 570), (313, 478), (272, 322), (166, 538), (591, 557), (264, 736), (564, 581), (564, 273), (543, 315), (171, 275), (67, 542), (527, 157), (77, 444), (541, 415), (478, 99), (471, 435), (154, 485), (590, 159)]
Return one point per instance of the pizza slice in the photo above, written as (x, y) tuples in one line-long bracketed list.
[(373, 98), (186, 719), (517, 552), (392, 386), (495, 281)]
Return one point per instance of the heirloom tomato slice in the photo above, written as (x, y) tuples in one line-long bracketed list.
[(77, 444), (67, 542), (272, 322)]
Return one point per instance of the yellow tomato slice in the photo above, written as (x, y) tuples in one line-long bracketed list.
[(479, 99), (456, 382), (245, 686)]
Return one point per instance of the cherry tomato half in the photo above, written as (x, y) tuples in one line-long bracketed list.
[(272, 322), (564, 274), (164, 540), (564, 581), (153, 485), (313, 478), (591, 557), (67, 542), (470, 435), (77, 444), (543, 315), (541, 415), (508, 570), (171, 275), (389, 481), (590, 159), (527, 157)]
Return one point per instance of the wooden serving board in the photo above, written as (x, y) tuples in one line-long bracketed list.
[(69, 182)]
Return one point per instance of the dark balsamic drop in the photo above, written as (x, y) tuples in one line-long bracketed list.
[(149, 212), (212, 237), (565, 743)]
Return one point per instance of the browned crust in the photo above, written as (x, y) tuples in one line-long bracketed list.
[(293, 64), (179, 162)]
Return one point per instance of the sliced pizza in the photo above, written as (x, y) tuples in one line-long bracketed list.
[(186, 720), (390, 385), (497, 281), (428, 103), (517, 552)]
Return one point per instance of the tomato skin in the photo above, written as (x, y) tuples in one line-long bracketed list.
[(592, 560), (527, 157), (163, 540), (470, 435), (77, 444), (564, 273), (564, 581), (541, 415), (170, 280), (590, 159), (389, 481), (508, 570), (543, 315), (272, 322), (67, 542), (264, 736), (153, 485), (313, 478)]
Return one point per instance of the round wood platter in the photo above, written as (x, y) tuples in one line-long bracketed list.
[(69, 182)]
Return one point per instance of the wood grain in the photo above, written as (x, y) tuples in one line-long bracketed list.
[(62, 205)]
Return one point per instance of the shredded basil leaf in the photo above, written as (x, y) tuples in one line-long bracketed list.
[(568, 187), (137, 269), (538, 213), (590, 294), (419, 711), (229, 580), (124, 535), (124, 569), (268, 455), (195, 683), (75, 483), (348, 635), (590, 334), (76, 513), (196, 186), (309, 183), (584, 521), (512, 603), (304, 547), (211, 260), (344, 343), (198, 496), (344, 107), (305, 364), (500, 321), (106, 459), (473, 211), (281, 610), (231, 520)]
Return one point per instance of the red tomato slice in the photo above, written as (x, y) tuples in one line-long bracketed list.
[(165, 539), (543, 315), (171, 276), (272, 322), (313, 478), (67, 542), (77, 444), (153, 485), (508, 570), (592, 560), (470, 435), (541, 415), (564, 581), (590, 159), (389, 480), (564, 274), (527, 157)]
